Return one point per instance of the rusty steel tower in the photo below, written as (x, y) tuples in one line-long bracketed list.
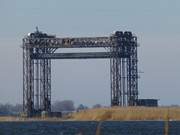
[(39, 48)]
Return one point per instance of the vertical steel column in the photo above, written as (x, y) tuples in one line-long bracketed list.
[(113, 77), (24, 77), (115, 66), (28, 82), (129, 90), (37, 81), (37, 84), (49, 85), (123, 80), (134, 71), (41, 84), (45, 83), (120, 83)]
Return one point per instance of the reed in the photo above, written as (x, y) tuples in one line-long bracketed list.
[(98, 129), (128, 113), (166, 126)]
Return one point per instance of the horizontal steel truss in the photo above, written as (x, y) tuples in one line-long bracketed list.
[(87, 42), (86, 55), (37, 55)]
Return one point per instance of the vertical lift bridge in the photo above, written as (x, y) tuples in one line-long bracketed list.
[(39, 48)]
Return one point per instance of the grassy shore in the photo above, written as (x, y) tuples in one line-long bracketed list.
[(21, 119), (115, 113), (128, 113)]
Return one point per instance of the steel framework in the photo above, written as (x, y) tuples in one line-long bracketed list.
[(39, 48)]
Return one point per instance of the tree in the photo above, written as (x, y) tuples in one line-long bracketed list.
[(9, 109), (17, 108), (66, 105), (81, 107), (97, 106)]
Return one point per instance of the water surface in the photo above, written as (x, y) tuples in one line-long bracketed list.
[(88, 128)]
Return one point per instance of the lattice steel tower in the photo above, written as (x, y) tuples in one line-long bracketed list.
[(39, 48)]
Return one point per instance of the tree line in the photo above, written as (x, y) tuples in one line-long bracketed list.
[(57, 106)]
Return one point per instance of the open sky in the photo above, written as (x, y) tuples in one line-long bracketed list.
[(155, 22)]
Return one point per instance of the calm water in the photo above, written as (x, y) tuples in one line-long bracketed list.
[(88, 128)]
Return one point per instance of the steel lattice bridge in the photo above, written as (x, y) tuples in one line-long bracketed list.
[(39, 48)]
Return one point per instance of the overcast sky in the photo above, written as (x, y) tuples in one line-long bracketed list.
[(155, 22)]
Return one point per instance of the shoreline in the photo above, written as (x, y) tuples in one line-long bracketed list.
[(109, 114), (48, 120)]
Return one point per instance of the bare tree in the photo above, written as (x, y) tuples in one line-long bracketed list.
[(97, 106), (82, 107), (9, 109), (66, 105)]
